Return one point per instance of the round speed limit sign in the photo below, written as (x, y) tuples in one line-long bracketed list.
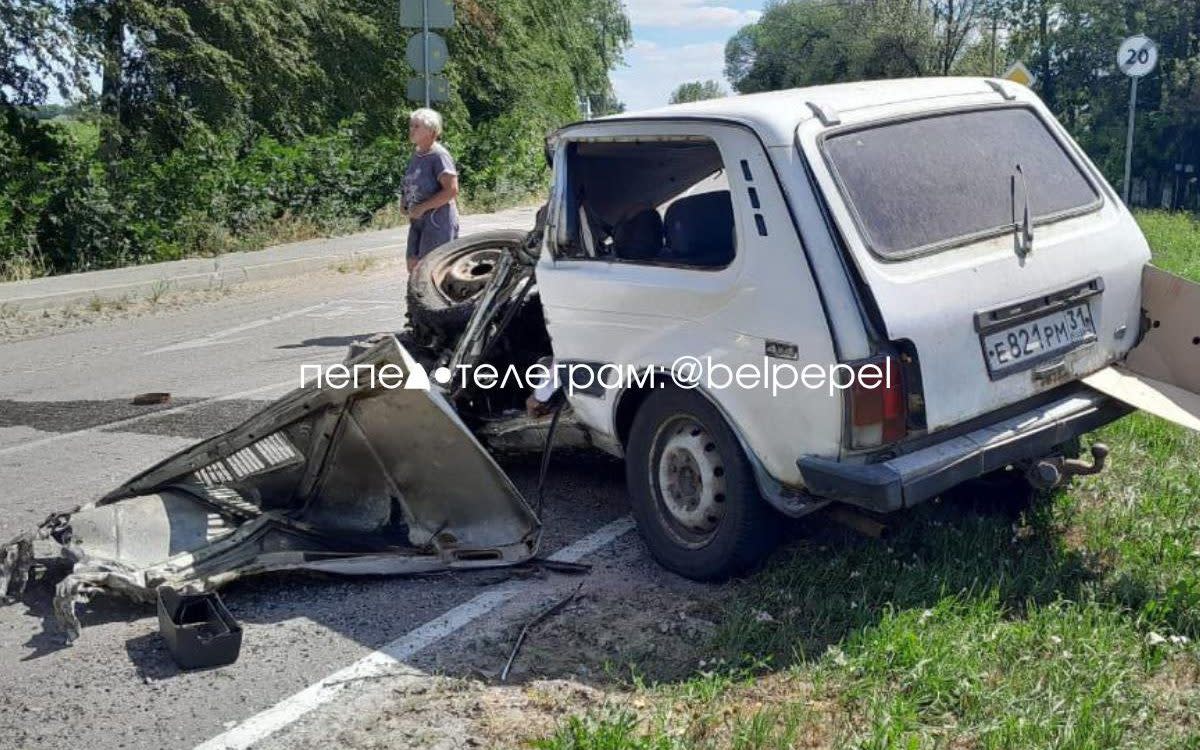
[(1138, 56)]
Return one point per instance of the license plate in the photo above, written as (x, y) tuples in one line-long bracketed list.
[(1023, 344)]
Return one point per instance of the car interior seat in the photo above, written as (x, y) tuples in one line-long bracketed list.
[(700, 230), (640, 237)]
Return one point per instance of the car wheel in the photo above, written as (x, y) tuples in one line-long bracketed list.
[(693, 490), (445, 287)]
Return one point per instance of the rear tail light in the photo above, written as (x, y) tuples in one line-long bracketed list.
[(878, 403)]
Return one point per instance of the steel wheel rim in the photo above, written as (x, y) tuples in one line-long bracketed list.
[(464, 277), (687, 472)]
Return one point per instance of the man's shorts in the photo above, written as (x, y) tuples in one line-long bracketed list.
[(429, 232)]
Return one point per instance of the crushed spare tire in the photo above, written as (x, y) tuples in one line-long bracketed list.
[(445, 287)]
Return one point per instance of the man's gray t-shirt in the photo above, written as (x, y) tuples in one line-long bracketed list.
[(421, 183)]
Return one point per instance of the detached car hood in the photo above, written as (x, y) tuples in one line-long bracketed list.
[(363, 480)]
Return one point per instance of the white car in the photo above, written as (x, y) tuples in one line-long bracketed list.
[(947, 232)]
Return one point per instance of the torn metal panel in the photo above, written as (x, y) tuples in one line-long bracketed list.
[(1152, 396), (352, 481), (16, 557), (1162, 373), (1170, 350)]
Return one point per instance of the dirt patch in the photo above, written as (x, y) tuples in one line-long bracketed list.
[(448, 713), (628, 619), (443, 713), (1175, 693)]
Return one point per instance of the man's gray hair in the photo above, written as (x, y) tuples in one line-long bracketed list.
[(429, 118)]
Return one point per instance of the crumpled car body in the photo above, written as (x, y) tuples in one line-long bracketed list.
[(348, 481)]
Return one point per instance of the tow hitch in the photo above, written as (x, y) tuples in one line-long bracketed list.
[(1053, 472)]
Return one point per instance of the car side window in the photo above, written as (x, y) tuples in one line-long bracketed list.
[(662, 202)]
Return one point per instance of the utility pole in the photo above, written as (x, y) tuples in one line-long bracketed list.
[(1127, 185), (426, 51), (425, 46), (995, 37)]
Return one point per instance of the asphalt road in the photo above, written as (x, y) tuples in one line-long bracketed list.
[(68, 434)]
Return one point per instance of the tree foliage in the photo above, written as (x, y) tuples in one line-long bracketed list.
[(213, 122), (1069, 44), (695, 91), (1072, 46), (37, 53), (809, 42)]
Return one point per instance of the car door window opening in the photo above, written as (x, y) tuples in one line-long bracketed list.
[(659, 203)]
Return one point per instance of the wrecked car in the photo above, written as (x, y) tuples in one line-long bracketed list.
[(946, 233)]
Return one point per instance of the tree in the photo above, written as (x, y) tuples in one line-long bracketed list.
[(954, 24), (792, 44), (219, 121), (1071, 45), (38, 53), (810, 42), (605, 32), (286, 67), (695, 91)]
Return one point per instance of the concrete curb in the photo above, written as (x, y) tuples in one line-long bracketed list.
[(199, 274), (170, 280)]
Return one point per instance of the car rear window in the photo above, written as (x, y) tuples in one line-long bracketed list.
[(920, 185)]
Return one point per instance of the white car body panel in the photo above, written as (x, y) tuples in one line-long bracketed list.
[(637, 315)]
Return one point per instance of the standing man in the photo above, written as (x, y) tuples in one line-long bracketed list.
[(429, 189)]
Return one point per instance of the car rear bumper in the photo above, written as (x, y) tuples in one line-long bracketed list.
[(911, 478)]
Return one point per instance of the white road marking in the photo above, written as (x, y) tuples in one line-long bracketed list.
[(219, 337), (335, 308), (385, 660), (108, 426), (344, 309)]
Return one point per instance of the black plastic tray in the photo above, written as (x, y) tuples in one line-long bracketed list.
[(198, 629)]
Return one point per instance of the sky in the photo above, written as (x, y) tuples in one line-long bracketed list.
[(676, 41)]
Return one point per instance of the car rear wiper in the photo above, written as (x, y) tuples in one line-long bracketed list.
[(1024, 229)]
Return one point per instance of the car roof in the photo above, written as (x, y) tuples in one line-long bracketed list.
[(776, 114)]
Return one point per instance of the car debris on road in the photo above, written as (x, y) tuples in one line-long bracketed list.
[(198, 629), (321, 480)]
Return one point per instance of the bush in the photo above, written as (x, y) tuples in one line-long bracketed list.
[(212, 194)]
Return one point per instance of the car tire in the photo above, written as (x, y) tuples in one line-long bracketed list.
[(693, 490), (445, 287)]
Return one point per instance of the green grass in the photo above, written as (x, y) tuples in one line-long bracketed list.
[(85, 131), (1175, 240), (1072, 624), (98, 304), (158, 292)]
